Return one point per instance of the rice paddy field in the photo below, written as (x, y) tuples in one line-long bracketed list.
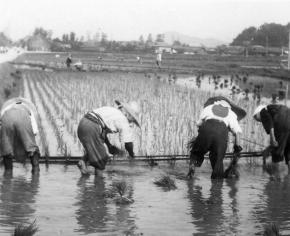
[(64, 203), (168, 112)]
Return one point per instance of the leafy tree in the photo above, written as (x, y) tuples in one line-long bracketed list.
[(160, 38), (42, 32), (65, 38), (4, 40), (176, 43), (149, 39), (246, 35), (104, 39), (272, 35), (275, 34), (72, 37), (141, 40)]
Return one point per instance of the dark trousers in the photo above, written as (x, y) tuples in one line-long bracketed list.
[(92, 138), (282, 131), (213, 138)]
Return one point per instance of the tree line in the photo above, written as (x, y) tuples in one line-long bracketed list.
[(268, 35)]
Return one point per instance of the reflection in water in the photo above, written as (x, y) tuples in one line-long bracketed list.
[(93, 212), (99, 214), (214, 215), (234, 220), (277, 207), (17, 195), (207, 213)]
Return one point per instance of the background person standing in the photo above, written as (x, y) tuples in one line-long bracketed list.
[(159, 58)]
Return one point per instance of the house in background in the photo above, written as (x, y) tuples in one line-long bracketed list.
[(164, 48)]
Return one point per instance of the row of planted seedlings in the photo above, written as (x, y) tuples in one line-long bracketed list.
[(53, 132), (68, 112), (45, 119), (169, 113), (66, 144), (27, 92), (64, 114), (151, 140)]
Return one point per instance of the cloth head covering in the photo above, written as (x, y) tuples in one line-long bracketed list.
[(132, 108), (241, 113)]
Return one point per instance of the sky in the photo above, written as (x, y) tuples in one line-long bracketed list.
[(128, 19)]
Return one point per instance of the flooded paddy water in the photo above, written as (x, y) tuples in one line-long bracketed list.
[(64, 203)]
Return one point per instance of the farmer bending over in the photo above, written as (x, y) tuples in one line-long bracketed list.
[(18, 130), (94, 127), (275, 119), (218, 117)]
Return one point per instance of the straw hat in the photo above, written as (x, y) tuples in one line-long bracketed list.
[(131, 108), (257, 111), (241, 113)]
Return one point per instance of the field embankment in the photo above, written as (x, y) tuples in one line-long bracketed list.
[(171, 63), (10, 82)]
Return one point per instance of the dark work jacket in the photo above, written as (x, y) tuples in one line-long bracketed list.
[(277, 117)]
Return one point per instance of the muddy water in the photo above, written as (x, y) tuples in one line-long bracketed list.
[(64, 203), (270, 85)]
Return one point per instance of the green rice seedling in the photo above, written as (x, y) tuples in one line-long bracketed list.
[(270, 169), (271, 230), (26, 230), (166, 182), (120, 187), (168, 120)]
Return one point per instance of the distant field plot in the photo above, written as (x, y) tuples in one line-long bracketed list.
[(95, 61)]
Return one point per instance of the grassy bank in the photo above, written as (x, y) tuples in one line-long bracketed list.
[(10, 82)]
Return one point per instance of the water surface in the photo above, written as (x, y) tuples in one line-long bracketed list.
[(64, 203)]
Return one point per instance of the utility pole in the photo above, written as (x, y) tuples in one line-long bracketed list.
[(289, 52)]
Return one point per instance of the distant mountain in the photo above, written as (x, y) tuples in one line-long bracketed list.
[(170, 37)]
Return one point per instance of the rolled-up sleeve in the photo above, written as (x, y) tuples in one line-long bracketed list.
[(233, 123), (34, 124), (125, 131)]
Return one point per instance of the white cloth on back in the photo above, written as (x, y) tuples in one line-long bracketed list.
[(116, 121), (32, 115), (230, 120)]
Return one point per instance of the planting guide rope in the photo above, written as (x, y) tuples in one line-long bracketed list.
[(151, 158), (147, 158)]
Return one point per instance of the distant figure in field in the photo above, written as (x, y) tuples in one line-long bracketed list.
[(68, 61), (159, 59), (18, 131), (275, 119), (218, 117), (139, 60), (275, 98), (97, 124)]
